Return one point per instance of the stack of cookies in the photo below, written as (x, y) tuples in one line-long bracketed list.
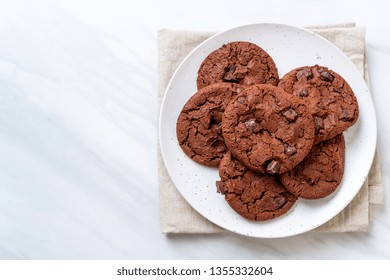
[(272, 140)]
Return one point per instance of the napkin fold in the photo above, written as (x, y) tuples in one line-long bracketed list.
[(177, 216)]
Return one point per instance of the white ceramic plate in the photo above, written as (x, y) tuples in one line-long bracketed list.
[(290, 47)]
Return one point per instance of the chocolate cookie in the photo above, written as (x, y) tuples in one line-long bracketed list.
[(198, 127), (267, 129), (320, 173), (255, 196), (238, 62), (330, 98)]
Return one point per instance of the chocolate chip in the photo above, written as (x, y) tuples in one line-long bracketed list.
[(290, 115), (220, 149), (326, 76), (217, 143), (240, 71), (290, 150), (305, 72), (346, 114), (216, 116), (335, 89), (241, 99), (321, 106), (229, 76), (273, 167), (304, 93), (318, 123), (220, 187), (237, 88), (251, 124), (280, 201), (196, 117), (327, 101), (216, 128)]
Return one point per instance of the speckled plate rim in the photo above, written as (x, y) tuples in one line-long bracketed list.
[(290, 47)]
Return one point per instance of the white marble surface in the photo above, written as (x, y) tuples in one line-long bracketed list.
[(78, 127)]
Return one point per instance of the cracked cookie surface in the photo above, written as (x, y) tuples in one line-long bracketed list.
[(238, 62), (267, 129), (198, 127), (329, 97), (320, 173), (255, 196)]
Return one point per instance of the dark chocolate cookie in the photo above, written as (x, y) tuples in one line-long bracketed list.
[(253, 195), (320, 173), (198, 127), (330, 98), (238, 62), (267, 129)]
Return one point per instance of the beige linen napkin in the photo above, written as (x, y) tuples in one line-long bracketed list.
[(177, 216)]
